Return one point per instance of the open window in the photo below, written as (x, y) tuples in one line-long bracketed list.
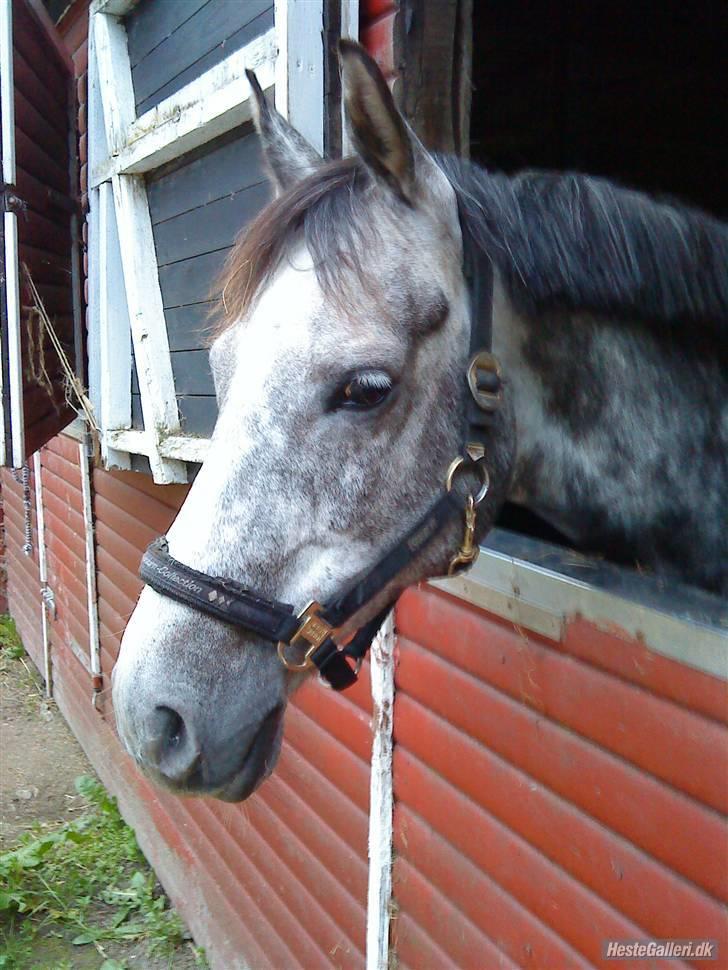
[(628, 91), (40, 302), (175, 174)]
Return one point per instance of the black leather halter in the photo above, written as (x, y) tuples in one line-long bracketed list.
[(316, 626)]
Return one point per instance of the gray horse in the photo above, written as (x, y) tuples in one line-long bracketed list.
[(339, 363)]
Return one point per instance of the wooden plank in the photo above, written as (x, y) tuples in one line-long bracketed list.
[(114, 78), (191, 280), (197, 415), (151, 23), (149, 333), (478, 898), (213, 32), (36, 127), (209, 227), (114, 329), (35, 160), (28, 40), (236, 162), (679, 746), (28, 83), (36, 231), (464, 943), (640, 808), (189, 327), (177, 448), (117, 8), (299, 88), (204, 109), (540, 831), (192, 374)]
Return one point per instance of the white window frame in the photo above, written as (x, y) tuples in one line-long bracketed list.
[(125, 300)]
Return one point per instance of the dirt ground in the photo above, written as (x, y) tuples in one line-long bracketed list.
[(40, 757), (39, 761)]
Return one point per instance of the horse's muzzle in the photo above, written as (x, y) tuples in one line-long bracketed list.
[(227, 767)]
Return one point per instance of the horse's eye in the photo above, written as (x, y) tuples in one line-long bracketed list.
[(365, 391)]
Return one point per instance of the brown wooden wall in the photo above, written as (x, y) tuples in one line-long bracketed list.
[(43, 115)]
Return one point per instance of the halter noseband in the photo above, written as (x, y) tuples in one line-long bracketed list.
[(315, 628)]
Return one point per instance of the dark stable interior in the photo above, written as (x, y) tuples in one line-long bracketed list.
[(637, 92)]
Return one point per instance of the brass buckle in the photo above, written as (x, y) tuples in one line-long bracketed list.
[(313, 630), (486, 400)]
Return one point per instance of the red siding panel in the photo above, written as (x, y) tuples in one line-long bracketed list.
[(554, 785)]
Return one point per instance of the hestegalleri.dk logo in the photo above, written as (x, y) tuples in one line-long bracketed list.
[(660, 949)]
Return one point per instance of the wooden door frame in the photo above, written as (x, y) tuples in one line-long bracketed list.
[(433, 55)]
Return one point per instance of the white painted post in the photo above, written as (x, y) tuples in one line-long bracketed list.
[(114, 331), (113, 72), (43, 573), (350, 29), (300, 67), (148, 326), (91, 595), (10, 227), (381, 798)]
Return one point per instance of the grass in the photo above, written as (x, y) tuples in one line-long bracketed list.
[(10, 642), (84, 883)]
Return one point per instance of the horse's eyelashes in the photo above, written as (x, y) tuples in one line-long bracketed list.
[(363, 391)]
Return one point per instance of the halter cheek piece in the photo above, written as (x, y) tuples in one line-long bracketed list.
[(308, 639)]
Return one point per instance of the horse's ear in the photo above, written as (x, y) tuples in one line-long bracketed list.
[(288, 155), (378, 130)]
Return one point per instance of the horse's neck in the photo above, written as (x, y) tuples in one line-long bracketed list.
[(618, 436)]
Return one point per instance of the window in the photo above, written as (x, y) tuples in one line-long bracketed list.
[(175, 173)]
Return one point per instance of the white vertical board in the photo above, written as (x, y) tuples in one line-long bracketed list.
[(148, 326), (113, 72), (14, 449), (381, 798), (42, 573), (132, 233), (350, 29), (114, 330), (300, 67)]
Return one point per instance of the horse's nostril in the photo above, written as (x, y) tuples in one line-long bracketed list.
[(176, 728), (171, 748)]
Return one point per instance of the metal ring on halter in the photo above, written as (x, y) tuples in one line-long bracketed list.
[(461, 463)]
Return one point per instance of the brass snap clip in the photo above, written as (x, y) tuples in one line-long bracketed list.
[(313, 631), (468, 551)]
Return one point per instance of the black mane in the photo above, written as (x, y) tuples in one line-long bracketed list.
[(580, 243)]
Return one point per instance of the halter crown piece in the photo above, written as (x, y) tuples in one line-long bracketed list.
[(308, 639)]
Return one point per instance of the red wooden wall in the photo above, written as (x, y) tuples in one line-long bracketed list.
[(550, 795)]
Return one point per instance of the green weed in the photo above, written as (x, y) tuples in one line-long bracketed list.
[(87, 881), (10, 642)]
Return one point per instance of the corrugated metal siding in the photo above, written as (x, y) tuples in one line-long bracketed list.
[(550, 796)]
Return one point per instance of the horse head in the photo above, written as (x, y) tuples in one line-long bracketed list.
[(339, 367)]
